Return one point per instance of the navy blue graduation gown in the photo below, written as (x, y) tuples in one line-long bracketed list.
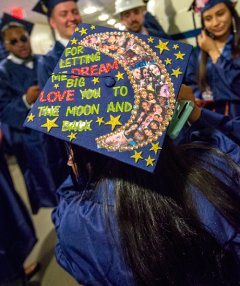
[(17, 235), (223, 79), (39, 158), (153, 26), (48, 62)]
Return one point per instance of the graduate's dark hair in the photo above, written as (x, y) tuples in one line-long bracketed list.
[(203, 56), (12, 25), (163, 240)]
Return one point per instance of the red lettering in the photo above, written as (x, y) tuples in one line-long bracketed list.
[(42, 99), (85, 71), (112, 66), (102, 69), (70, 95), (52, 94), (94, 70)]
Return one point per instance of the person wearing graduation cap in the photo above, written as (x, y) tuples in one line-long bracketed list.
[(63, 17), (214, 68), (17, 237), (18, 91), (136, 210)]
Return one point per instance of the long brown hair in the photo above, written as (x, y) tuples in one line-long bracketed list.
[(163, 240), (203, 56)]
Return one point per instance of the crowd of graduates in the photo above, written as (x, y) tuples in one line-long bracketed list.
[(118, 225)]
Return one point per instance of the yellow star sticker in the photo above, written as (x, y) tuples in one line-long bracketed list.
[(150, 40), (114, 121), (176, 46), (155, 147), (179, 55), (56, 85), (50, 124), (100, 121), (119, 76), (176, 72), (93, 27), (30, 117), (149, 161), (137, 156), (76, 29), (74, 41), (72, 136), (168, 61), (162, 46), (95, 80), (83, 31)]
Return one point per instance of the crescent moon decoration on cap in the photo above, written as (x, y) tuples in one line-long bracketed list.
[(113, 92)]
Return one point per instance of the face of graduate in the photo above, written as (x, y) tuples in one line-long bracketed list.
[(16, 41), (218, 20), (133, 19), (64, 18)]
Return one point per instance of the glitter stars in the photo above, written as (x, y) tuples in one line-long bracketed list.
[(83, 31), (95, 80), (114, 121), (162, 46), (149, 161), (30, 117), (137, 156), (93, 27), (155, 147), (74, 41), (179, 55), (56, 85), (119, 75), (100, 121), (72, 136), (176, 46), (168, 61), (50, 124), (176, 72), (150, 39)]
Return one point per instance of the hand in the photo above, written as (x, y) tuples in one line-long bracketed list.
[(32, 94), (186, 93), (208, 45)]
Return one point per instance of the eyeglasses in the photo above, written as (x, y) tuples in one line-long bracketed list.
[(13, 42)]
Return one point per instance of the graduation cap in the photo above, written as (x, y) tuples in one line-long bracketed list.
[(203, 5), (9, 20), (113, 92), (45, 7)]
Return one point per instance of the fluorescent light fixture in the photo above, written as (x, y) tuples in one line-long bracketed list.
[(111, 21), (90, 10), (103, 17)]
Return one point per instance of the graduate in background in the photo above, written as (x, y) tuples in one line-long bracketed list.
[(214, 68), (63, 17), (37, 155), (17, 237)]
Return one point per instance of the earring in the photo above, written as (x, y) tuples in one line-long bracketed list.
[(234, 26)]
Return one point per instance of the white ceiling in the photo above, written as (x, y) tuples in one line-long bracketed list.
[(103, 6)]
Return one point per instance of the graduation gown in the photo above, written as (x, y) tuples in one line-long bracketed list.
[(40, 160), (48, 62), (153, 26), (17, 235), (223, 78)]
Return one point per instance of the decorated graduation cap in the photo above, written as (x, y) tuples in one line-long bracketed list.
[(204, 5), (113, 92), (45, 7), (10, 20)]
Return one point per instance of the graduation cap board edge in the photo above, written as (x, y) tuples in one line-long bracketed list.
[(113, 92)]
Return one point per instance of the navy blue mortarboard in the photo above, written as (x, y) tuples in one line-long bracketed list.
[(8, 20), (45, 7), (204, 5), (113, 92)]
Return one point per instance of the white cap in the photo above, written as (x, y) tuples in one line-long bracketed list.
[(125, 5)]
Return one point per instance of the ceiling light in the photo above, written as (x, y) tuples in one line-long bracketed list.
[(111, 21), (90, 10), (103, 17)]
